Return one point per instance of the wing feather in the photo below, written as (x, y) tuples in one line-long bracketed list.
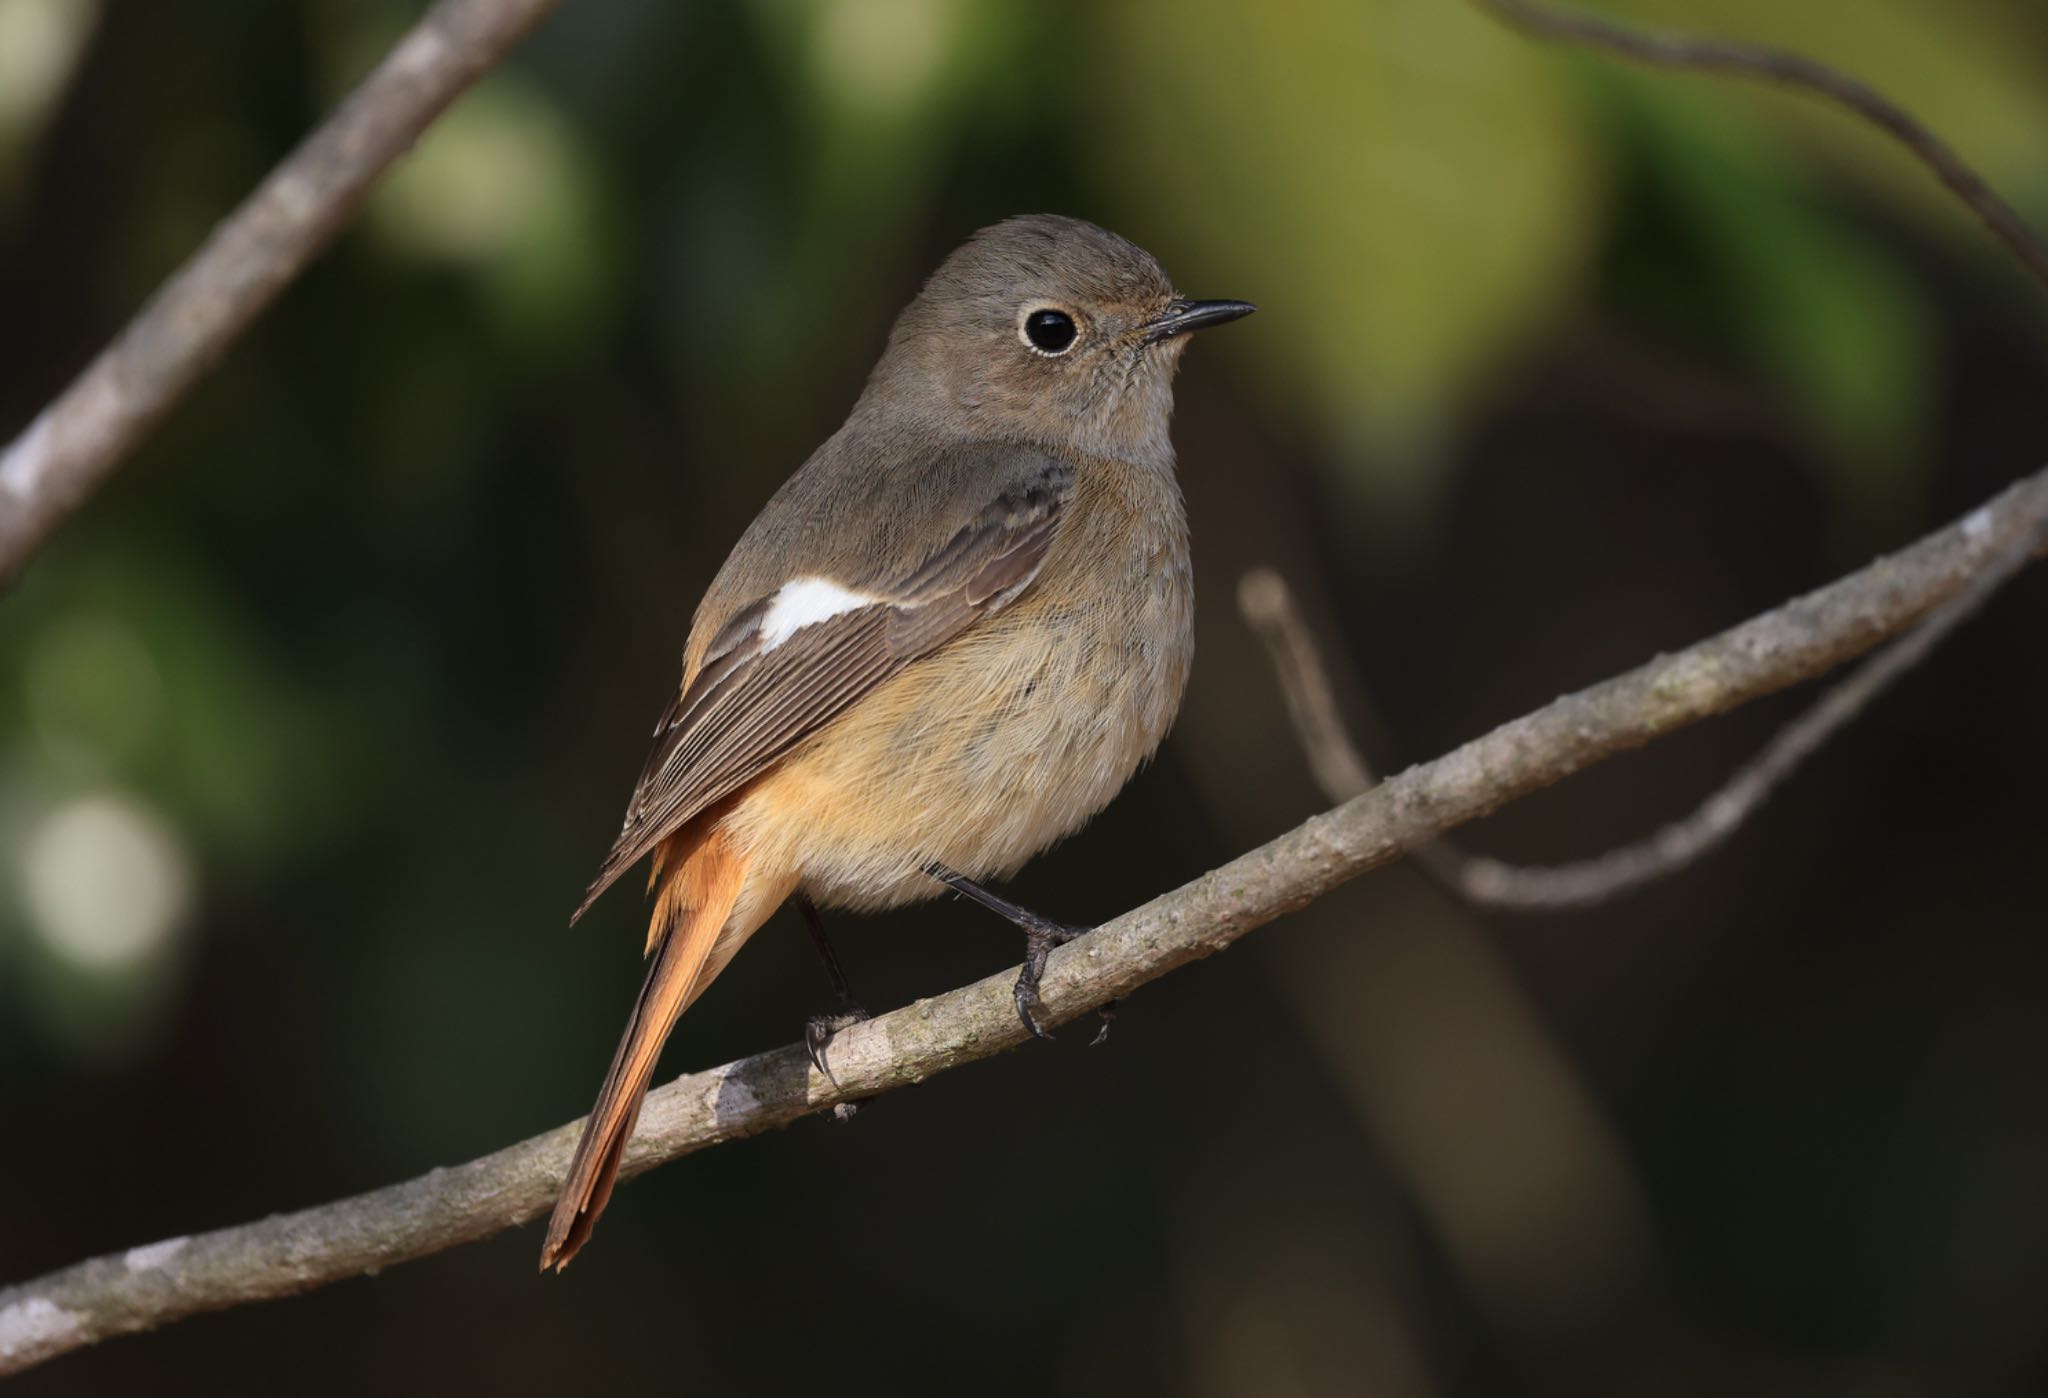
[(751, 701)]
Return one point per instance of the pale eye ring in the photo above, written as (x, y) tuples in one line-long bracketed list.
[(1047, 330)]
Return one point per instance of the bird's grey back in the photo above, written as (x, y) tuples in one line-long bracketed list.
[(954, 413)]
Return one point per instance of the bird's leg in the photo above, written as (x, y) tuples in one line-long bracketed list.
[(819, 1029), (1041, 935)]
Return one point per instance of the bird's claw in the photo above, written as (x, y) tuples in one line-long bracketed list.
[(819, 1031), (1029, 1007), (1106, 1011), (1039, 940)]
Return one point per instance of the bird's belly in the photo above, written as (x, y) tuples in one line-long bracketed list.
[(979, 756)]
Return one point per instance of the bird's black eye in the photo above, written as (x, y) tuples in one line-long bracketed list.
[(1049, 331)]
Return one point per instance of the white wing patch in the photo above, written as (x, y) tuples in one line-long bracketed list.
[(805, 602)]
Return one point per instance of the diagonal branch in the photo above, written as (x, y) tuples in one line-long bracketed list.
[(75, 443), (1795, 70), (1343, 773), (154, 1285)]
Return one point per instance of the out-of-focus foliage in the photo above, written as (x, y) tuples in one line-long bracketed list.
[(313, 723), (40, 40), (1834, 325), (1437, 186), (1347, 160), (1972, 70)]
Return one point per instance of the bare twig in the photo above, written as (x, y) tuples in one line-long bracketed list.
[(1342, 772), (1755, 61), (1334, 758), (154, 1285), (76, 441)]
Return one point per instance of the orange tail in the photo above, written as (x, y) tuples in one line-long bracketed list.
[(696, 899)]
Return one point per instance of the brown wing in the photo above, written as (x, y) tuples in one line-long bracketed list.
[(752, 700)]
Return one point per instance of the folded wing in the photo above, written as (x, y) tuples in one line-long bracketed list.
[(788, 663)]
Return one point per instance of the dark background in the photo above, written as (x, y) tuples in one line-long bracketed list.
[(315, 721)]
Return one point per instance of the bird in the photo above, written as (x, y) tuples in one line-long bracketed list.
[(946, 642)]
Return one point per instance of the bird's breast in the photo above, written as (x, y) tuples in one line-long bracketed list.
[(1014, 734)]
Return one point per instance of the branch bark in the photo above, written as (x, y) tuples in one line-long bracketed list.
[(1342, 772), (154, 1285), (75, 443)]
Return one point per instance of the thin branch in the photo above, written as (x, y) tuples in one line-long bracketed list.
[(1335, 760), (75, 443), (1343, 773), (1762, 64), (151, 1286), (1267, 605)]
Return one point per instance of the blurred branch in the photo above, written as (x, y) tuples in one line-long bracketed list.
[(75, 442), (1342, 772), (1339, 768), (1664, 50), (151, 1286)]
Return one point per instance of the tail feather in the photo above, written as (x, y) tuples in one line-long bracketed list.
[(695, 902)]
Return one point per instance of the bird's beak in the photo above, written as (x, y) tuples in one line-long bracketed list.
[(1184, 315)]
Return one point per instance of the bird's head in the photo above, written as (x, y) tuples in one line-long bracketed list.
[(1044, 329)]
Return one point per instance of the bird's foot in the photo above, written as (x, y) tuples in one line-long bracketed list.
[(1041, 935), (819, 1031)]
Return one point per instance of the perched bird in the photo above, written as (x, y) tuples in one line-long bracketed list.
[(946, 642)]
